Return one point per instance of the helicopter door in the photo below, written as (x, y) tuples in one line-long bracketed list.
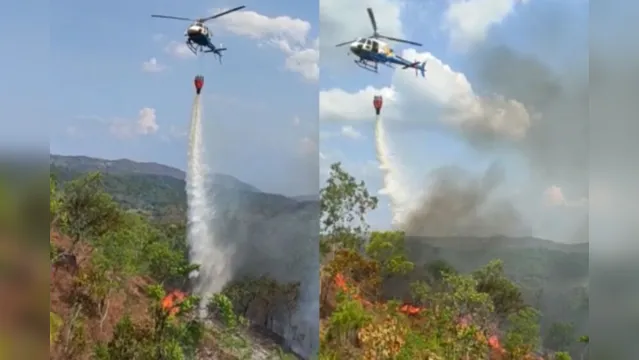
[(375, 47), (368, 45)]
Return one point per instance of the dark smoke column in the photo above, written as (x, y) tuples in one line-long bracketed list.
[(199, 82), (377, 103)]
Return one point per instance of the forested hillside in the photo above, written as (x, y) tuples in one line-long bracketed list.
[(120, 287), (396, 297), (392, 297)]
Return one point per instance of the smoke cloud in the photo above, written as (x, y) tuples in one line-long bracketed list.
[(458, 204)]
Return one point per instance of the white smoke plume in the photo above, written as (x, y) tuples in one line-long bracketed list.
[(204, 250)]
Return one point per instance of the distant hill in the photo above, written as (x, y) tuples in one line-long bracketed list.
[(553, 276), (83, 164), (152, 188)]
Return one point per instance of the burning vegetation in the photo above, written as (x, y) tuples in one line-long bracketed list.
[(375, 304)]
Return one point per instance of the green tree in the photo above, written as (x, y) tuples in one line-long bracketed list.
[(562, 356), (435, 271), (505, 295), (585, 340), (522, 337), (89, 210), (344, 203), (55, 201), (458, 318), (348, 317), (387, 247), (113, 262)]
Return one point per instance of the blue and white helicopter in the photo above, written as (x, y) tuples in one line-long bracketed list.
[(198, 36), (371, 51)]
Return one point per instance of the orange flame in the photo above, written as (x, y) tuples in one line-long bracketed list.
[(171, 302), (411, 310)]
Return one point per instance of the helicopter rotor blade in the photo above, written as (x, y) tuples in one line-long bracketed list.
[(399, 40), (344, 43), (373, 22), (222, 13), (172, 17)]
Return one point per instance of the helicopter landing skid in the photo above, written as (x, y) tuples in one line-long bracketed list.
[(366, 65), (194, 48)]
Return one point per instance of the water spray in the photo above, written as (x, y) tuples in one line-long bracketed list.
[(204, 250), (393, 186)]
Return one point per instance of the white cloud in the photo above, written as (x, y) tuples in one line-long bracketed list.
[(350, 132), (468, 21), (296, 121), (304, 61), (259, 27), (152, 66), (145, 124), (289, 35), (342, 21), (444, 95), (158, 37), (179, 50)]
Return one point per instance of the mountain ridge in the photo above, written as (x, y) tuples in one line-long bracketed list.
[(82, 164)]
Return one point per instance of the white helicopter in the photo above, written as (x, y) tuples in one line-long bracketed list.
[(371, 51), (198, 35)]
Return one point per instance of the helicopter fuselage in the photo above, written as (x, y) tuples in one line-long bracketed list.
[(373, 50), (199, 34)]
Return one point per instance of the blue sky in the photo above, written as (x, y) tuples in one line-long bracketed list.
[(420, 149), (24, 73), (261, 106), (250, 103)]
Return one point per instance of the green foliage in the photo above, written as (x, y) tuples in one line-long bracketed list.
[(505, 295), (348, 317), (73, 340), (166, 265), (437, 269), (90, 212), (125, 344), (387, 248), (562, 356), (264, 292), (123, 245), (221, 307), (584, 339), (168, 339), (522, 337), (344, 203)]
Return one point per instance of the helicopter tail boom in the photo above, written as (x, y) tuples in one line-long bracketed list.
[(418, 66)]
